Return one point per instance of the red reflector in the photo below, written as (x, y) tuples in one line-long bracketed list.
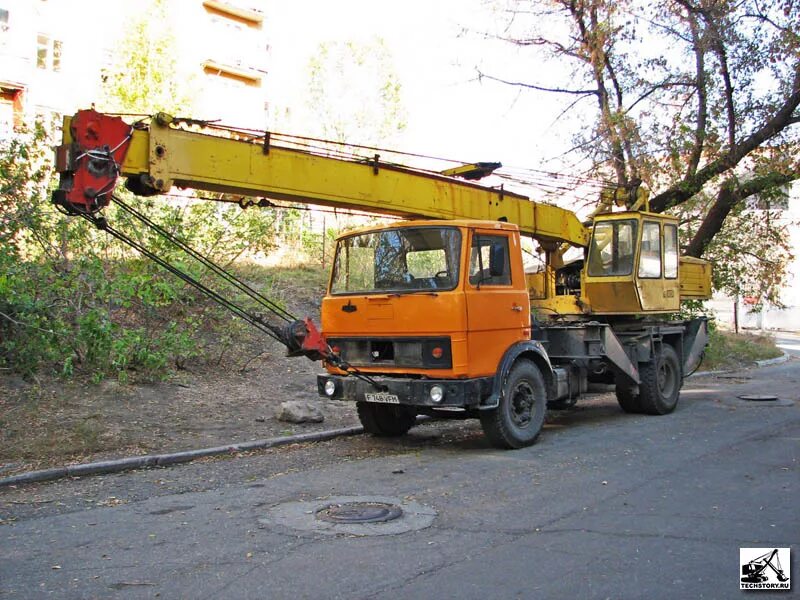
[(437, 352)]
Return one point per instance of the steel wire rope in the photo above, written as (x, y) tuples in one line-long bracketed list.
[(259, 134), (255, 320), (550, 175), (330, 211), (507, 172), (208, 263)]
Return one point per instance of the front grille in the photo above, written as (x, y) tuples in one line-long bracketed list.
[(415, 353)]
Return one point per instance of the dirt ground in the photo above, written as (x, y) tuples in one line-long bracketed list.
[(48, 421)]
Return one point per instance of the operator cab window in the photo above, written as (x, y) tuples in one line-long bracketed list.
[(612, 248), (670, 251), (650, 254), (489, 261)]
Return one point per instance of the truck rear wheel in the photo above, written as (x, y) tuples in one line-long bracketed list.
[(519, 417), (386, 420), (661, 381)]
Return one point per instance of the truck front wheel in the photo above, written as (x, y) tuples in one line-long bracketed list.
[(519, 416), (386, 420)]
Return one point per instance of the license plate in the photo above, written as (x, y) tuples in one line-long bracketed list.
[(383, 398)]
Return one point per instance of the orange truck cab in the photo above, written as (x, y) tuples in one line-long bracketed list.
[(427, 312)]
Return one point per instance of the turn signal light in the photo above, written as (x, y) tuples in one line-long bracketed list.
[(437, 352)]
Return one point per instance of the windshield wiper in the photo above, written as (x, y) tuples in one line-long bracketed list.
[(409, 292)]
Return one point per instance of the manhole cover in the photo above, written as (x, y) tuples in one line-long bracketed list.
[(758, 397), (352, 515), (360, 512)]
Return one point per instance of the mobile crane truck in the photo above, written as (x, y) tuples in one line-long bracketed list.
[(436, 315)]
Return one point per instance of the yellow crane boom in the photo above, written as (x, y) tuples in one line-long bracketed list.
[(162, 154)]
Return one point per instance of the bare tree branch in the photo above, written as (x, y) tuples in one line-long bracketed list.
[(482, 75), (702, 98), (687, 188)]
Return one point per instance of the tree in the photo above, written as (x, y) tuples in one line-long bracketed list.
[(698, 99), (72, 297), (354, 92), (144, 75), (355, 97)]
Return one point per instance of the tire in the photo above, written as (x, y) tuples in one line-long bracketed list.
[(519, 417), (661, 381), (386, 420), (628, 398)]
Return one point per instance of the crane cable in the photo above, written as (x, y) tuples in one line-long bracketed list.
[(208, 263), (254, 319)]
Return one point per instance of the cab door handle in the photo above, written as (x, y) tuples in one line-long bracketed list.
[(516, 308)]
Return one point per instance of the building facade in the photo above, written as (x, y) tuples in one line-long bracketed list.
[(53, 52)]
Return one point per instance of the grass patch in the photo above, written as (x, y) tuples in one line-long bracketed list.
[(728, 350)]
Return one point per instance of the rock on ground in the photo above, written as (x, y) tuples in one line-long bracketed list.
[(299, 411)]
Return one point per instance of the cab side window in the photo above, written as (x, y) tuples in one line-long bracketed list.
[(650, 254), (670, 251), (489, 261)]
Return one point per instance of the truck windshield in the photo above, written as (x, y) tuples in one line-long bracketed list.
[(400, 260)]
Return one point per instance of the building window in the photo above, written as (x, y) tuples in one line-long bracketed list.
[(11, 105), (245, 16), (773, 200), (48, 53)]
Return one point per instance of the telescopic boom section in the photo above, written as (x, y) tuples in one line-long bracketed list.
[(99, 148)]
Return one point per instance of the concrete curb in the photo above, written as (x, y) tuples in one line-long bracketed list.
[(773, 361), (162, 460), (758, 364)]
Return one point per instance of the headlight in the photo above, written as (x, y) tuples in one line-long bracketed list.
[(437, 393), (330, 387)]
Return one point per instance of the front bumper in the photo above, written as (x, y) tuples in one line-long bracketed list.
[(458, 393)]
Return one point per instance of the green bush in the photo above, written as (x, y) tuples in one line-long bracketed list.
[(74, 300)]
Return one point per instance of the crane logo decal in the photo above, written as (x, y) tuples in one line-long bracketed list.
[(765, 569)]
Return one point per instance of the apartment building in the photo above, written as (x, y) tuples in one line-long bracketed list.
[(52, 53)]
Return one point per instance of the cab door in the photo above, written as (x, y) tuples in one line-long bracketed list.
[(498, 307), (657, 274)]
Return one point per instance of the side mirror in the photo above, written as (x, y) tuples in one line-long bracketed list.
[(497, 260)]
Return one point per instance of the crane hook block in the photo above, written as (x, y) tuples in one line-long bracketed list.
[(89, 166), (302, 338)]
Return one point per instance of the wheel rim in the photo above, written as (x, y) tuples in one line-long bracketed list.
[(666, 379), (522, 402)]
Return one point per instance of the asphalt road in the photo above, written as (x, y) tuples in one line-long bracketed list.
[(789, 342), (606, 505)]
